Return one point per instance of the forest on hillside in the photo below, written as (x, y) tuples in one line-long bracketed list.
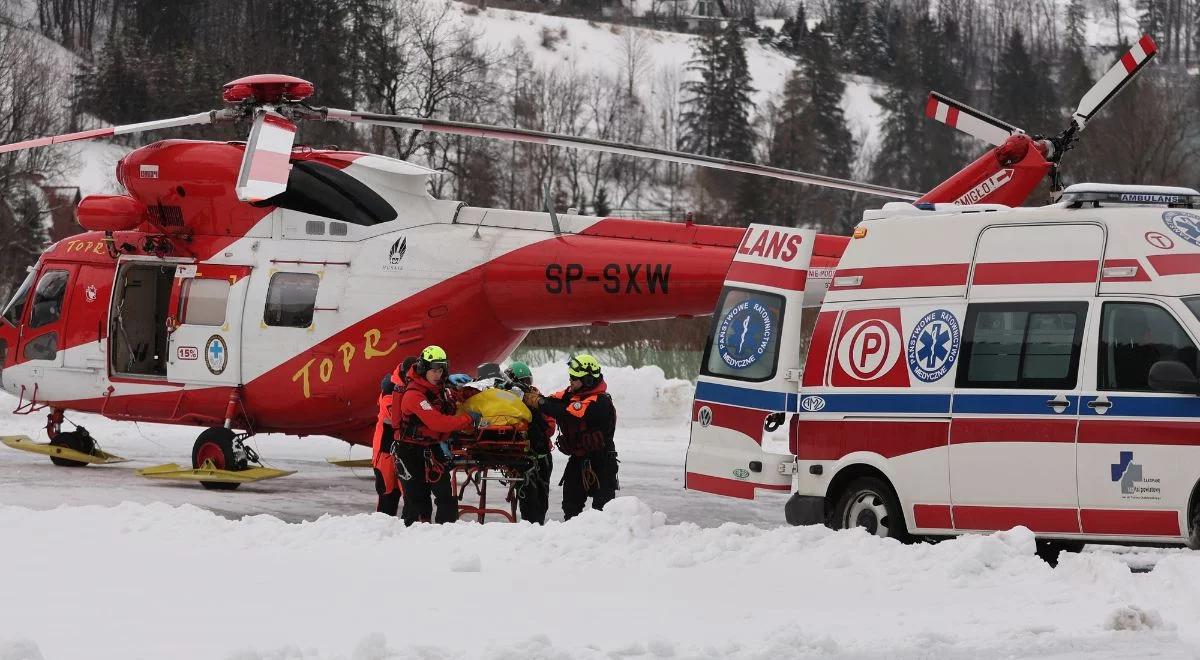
[(1025, 61)]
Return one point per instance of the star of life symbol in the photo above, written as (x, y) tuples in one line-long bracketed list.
[(1185, 225), (745, 334), (216, 355), (933, 346)]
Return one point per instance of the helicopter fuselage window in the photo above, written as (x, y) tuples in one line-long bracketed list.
[(319, 189), (291, 300), (48, 298)]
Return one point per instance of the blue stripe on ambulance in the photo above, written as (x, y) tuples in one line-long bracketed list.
[(1149, 406), (1010, 404), (744, 397)]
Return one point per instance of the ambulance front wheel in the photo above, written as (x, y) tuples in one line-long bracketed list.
[(870, 503), (215, 445)]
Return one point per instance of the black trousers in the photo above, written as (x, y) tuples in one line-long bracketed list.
[(388, 503), (593, 475), (417, 489), (533, 496)]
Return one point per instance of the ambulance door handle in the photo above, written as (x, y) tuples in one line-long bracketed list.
[(1100, 405), (1059, 403)]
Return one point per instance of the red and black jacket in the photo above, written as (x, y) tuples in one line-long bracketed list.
[(587, 419), (424, 414)]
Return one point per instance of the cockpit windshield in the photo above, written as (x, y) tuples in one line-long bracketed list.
[(12, 311)]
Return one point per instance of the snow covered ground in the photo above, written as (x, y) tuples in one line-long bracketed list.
[(98, 563)]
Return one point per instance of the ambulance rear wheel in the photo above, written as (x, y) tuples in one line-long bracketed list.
[(216, 445), (870, 503), (79, 440)]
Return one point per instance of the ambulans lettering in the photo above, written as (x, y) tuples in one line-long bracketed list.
[(933, 346), (1185, 225), (771, 244), (745, 333), (869, 349), (612, 278)]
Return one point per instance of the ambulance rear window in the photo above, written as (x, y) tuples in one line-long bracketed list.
[(744, 340)]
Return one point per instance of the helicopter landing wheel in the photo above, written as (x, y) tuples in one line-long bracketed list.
[(79, 440), (216, 445)]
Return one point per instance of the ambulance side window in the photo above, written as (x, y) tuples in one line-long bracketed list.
[(744, 340), (1133, 336), (1022, 345)]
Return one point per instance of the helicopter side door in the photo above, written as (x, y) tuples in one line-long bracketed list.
[(207, 301)]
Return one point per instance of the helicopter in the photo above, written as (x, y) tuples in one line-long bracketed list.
[(263, 286)]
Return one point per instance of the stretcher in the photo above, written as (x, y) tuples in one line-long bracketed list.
[(498, 454)]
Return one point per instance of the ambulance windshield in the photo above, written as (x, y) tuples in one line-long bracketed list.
[(12, 311), (744, 339)]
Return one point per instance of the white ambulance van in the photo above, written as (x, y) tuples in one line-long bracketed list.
[(971, 368)]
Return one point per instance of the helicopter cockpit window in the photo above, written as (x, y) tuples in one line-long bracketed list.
[(326, 191), (291, 300), (48, 298), (12, 311)]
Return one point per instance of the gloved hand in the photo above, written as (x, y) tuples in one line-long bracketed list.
[(476, 418), (458, 380), (532, 398)]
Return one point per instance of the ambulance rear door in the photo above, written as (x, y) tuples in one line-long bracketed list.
[(750, 372)]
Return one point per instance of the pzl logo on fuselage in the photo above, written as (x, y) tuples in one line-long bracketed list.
[(933, 346), (772, 244), (396, 254)]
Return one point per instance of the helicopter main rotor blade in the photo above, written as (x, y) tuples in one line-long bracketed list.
[(606, 146), (126, 129), (1115, 78), (265, 164), (968, 120)]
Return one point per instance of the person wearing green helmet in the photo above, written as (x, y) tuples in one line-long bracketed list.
[(587, 422), (533, 495)]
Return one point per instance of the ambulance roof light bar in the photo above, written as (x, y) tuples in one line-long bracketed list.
[(1078, 195)]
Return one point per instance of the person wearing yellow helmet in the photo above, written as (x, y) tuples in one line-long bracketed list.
[(587, 422), (424, 417)]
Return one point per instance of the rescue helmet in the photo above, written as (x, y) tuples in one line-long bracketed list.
[(519, 372), (586, 368), (432, 357), (406, 365)]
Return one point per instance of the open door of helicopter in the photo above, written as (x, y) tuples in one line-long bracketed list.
[(750, 373)]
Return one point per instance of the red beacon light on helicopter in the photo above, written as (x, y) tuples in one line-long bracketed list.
[(267, 88)]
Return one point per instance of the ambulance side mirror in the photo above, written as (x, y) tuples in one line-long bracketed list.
[(1173, 376)]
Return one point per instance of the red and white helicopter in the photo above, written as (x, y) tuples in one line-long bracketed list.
[(265, 287)]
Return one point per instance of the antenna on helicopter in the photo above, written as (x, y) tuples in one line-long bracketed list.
[(1013, 142)]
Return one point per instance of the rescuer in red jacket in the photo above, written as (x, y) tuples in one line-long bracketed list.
[(424, 418), (587, 423), (387, 485)]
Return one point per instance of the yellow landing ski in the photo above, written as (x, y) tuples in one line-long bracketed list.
[(25, 443), (210, 474), (349, 462)]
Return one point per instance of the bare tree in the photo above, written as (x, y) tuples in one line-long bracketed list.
[(26, 111)]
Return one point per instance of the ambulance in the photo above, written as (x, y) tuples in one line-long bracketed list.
[(968, 369)]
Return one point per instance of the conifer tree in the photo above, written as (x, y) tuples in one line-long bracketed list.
[(1023, 94), (1074, 74)]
